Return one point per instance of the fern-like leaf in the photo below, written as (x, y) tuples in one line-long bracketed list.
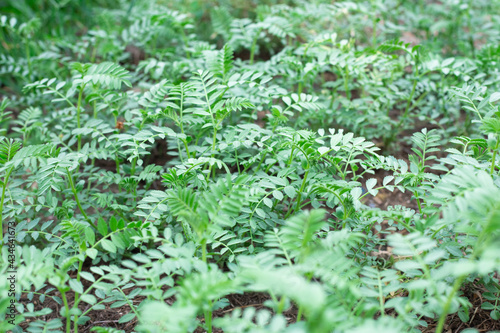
[(394, 46), (4, 115), (155, 96), (75, 230), (106, 74), (295, 237), (221, 21), (29, 155), (224, 200), (28, 120), (8, 148), (220, 62)]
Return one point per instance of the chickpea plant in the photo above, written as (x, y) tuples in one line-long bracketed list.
[(157, 163)]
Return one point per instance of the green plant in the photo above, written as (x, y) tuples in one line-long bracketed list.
[(172, 162)]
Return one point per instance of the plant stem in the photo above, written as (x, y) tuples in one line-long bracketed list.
[(130, 304), (77, 295), (75, 194), (346, 83), (237, 162), (28, 57), (418, 202), (281, 305), (95, 111), (492, 170), (299, 196), (66, 307), (132, 167), (208, 319), (405, 114), (260, 163), (291, 156), (446, 307), (299, 314), (214, 141), (117, 162), (254, 45), (181, 126), (374, 27), (5, 181), (204, 251), (78, 111), (381, 298), (481, 240)]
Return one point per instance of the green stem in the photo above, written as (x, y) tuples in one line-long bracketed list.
[(208, 319), (302, 188), (299, 196), (237, 162), (381, 298), (181, 126), (89, 186), (75, 194), (482, 239), (406, 225), (66, 307), (130, 304), (185, 40), (471, 38), (204, 251), (78, 111), (260, 163), (60, 95), (405, 114), (132, 167), (187, 149), (214, 140), (418, 202), (94, 51), (299, 313), (291, 156), (254, 46), (214, 124), (374, 27), (446, 307), (346, 83), (493, 163), (281, 305), (301, 308), (344, 173), (117, 162), (28, 57), (408, 104), (77, 295), (5, 181), (332, 99), (46, 233), (438, 230), (492, 170)]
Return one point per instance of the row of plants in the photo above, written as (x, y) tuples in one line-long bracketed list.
[(160, 160)]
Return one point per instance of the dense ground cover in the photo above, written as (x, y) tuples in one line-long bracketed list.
[(239, 166)]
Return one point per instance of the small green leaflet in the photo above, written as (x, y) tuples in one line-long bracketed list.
[(290, 191), (370, 184), (102, 227), (108, 245)]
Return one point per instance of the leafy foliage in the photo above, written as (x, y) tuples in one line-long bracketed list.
[(163, 160)]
